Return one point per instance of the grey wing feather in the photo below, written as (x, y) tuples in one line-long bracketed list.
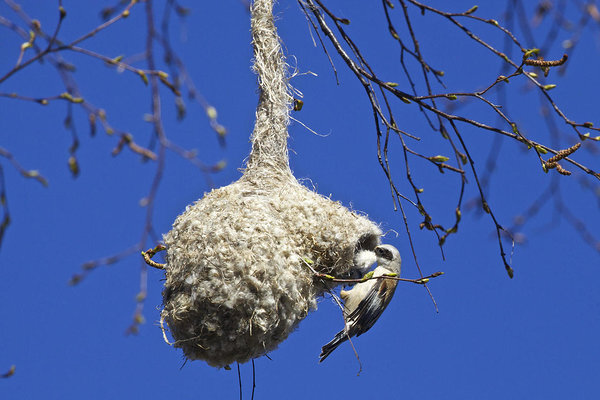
[(371, 307)]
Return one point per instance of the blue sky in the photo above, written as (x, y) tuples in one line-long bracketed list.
[(534, 336)]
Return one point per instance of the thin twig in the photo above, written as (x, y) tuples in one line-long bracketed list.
[(148, 254), (10, 372), (239, 374), (253, 379)]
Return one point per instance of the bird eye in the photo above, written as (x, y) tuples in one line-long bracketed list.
[(383, 252)]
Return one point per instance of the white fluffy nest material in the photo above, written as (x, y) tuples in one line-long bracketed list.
[(236, 283)]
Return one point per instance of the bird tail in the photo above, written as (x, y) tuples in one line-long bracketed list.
[(326, 350)]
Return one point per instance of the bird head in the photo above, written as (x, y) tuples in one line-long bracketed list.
[(388, 257)]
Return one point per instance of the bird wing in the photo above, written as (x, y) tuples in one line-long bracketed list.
[(371, 307)]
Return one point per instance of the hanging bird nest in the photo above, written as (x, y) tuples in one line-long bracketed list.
[(236, 283)]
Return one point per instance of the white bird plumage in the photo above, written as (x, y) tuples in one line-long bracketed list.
[(365, 302), (364, 259)]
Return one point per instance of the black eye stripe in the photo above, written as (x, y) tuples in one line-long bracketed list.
[(385, 253)]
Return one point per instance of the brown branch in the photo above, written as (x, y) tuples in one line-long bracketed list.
[(4, 206), (31, 174), (368, 78), (148, 254), (362, 74), (52, 51), (49, 49), (89, 266), (369, 276), (10, 372), (127, 140)]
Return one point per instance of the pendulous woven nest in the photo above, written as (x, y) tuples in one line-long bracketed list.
[(236, 283)]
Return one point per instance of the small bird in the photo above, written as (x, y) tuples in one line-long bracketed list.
[(364, 303)]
